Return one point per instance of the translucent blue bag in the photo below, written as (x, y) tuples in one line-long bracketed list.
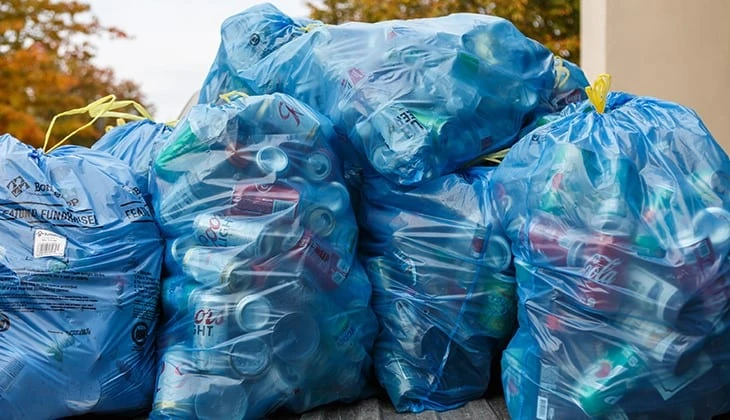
[(620, 224), (417, 99), (443, 288), (136, 143), (79, 284), (266, 306)]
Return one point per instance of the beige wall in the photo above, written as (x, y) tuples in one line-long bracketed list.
[(672, 49)]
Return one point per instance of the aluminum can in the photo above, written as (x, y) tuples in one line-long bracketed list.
[(272, 160), (663, 345), (206, 265), (325, 266), (264, 199), (607, 380), (552, 243), (211, 316), (295, 337), (175, 390), (253, 313), (498, 313), (212, 230), (318, 165), (250, 356), (655, 294)]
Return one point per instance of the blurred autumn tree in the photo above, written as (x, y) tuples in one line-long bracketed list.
[(45, 68), (554, 23)]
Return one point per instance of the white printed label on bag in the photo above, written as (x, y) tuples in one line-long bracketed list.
[(48, 244)]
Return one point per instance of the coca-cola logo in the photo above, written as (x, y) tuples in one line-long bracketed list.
[(601, 269)]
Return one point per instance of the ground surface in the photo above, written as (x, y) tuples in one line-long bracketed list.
[(488, 408)]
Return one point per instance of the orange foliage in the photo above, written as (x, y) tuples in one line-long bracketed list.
[(554, 23), (45, 68)]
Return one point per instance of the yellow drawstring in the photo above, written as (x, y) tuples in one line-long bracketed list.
[(104, 103), (599, 91), (105, 107), (112, 113), (562, 74), (309, 27), (491, 159), (496, 157), (227, 96)]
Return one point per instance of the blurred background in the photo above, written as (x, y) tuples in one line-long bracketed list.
[(58, 55)]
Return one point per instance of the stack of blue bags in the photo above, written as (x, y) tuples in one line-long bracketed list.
[(265, 305), (316, 150), (79, 284), (413, 102), (620, 225)]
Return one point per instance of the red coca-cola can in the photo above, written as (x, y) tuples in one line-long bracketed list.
[(264, 199), (594, 258), (693, 264), (324, 267), (602, 271), (552, 244)]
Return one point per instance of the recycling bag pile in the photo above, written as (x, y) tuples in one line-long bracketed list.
[(417, 99), (267, 305), (79, 284), (400, 204), (621, 230), (442, 289)]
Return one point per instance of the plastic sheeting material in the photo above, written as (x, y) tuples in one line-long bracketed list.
[(79, 284), (444, 288), (418, 98), (266, 306), (136, 144), (620, 226)]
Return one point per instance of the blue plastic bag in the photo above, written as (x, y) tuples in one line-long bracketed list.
[(443, 288), (620, 224), (79, 284), (266, 306), (417, 99), (136, 144)]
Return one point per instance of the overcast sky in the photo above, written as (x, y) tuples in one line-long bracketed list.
[(174, 43)]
